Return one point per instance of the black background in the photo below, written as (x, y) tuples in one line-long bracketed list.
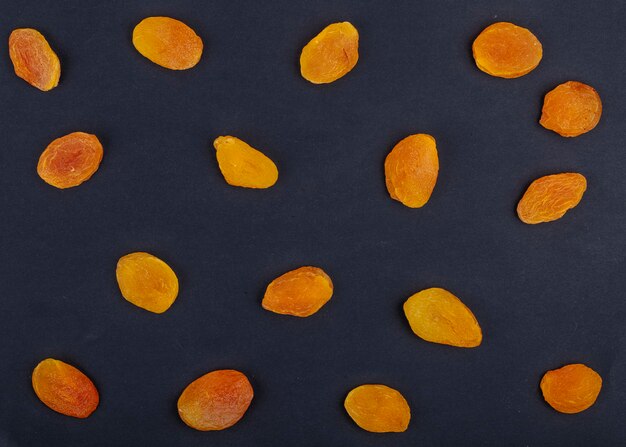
[(545, 295)]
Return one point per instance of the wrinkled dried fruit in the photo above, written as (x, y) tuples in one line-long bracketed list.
[(549, 198), (331, 54), (64, 388), (506, 50), (300, 292), (571, 109), (242, 165), (168, 42), (33, 59), (378, 408), (147, 282), (411, 170), (572, 388), (70, 160), (216, 400), (438, 316)]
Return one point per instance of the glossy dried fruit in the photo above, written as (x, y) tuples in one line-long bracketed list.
[(411, 170), (438, 316), (147, 282), (549, 198), (572, 388), (331, 54), (215, 401), (378, 409), (242, 165), (571, 109), (168, 42), (64, 388), (33, 59), (70, 160), (506, 50)]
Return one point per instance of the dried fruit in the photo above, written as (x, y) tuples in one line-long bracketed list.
[(571, 109), (411, 170), (242, 165), (378, 408), (215, 401), (549, 198), (572, 388), (147, 282), (33, 59), (70, 160), (300, 292), (506, 50), (64, 388), (168, 42), (331, 54), (438, 316)]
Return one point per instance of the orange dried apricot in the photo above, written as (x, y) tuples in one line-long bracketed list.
[(70, 160), (572, 388), (216, 400), (33, 59), (549, 198), (378, 409), (147, 282), (168, 42), (506, 50), (411, 170), (571, 109), (331, 54), (64, 388), (438, 316), (242, 165)]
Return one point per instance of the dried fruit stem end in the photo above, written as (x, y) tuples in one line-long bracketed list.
[(33, 59), (571, 109), (572, 388), (242, 165), (549, 198), (378, 409)]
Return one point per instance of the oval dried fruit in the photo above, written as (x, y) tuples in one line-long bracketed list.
[(242, 165), (572, 388), (378, 409), (571, 109), (549, 198), (33, 59)]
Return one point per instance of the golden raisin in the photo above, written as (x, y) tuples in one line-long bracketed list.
[(147, 282), (549, 198), (64, 388), (572, 388), (215, 401), (378, 409), (438, 316), (331, 54), (70, 160), (506, 50), (411, 170), (33, 59), (168, 42), (242, 165), (571, 109)]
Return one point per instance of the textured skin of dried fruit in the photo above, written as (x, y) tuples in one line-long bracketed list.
[(438, 316), (242, 165), (64, 388), (33, 59), (378, 409), (506, 50), (168, 42), (70, 160), (571, 109), (572, 388), (147, 282), (411, 170), (331, 54), (300, 292), (215, 401), (549, 198)]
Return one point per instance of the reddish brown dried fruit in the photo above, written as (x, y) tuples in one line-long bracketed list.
[(571, 109), (242, 165), (549, 198), (378, 409), (572, 388), (33, 59)]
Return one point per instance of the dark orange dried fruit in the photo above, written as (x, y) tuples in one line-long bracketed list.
[(572, 388), (571, 109), (378, 409), (549, 198), (33, 59), (242, 165)]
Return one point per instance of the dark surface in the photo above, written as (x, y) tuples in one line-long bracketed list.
[(545, 295)]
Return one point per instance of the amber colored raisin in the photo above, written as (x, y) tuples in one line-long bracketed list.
[(147, 282), (331, 54), (33, 59), (571, 109), (168, 42), (216, 400), (64, 388), (572, 388), (438, 316), (242, 165), (378, 409), (549, 198), (506, 50)]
